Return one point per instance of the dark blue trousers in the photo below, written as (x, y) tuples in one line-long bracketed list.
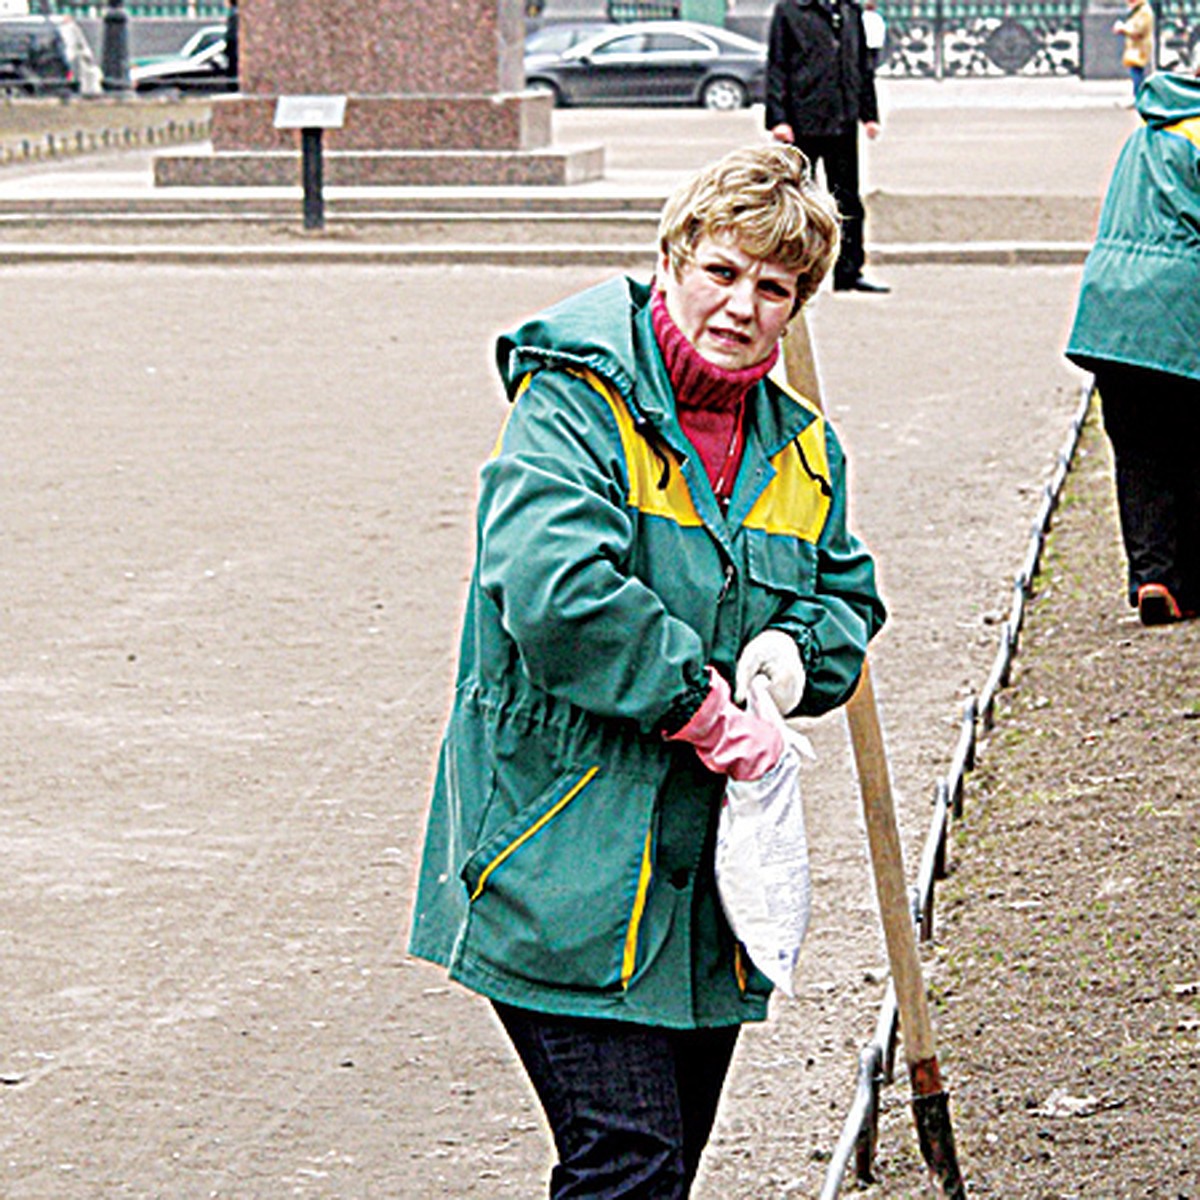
[(630, 1106), (1153, 422), (839, 153)]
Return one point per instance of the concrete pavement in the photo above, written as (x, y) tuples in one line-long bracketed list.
[(991, 171)]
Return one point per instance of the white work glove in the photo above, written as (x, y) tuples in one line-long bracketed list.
[(774, 655)]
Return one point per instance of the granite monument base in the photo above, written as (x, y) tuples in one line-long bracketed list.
[(496, 140), (385, 168)]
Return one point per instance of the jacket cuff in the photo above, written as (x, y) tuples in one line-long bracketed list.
[(684, 707)]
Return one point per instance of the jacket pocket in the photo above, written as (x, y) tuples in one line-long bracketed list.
[(782, 570), (557, 893)]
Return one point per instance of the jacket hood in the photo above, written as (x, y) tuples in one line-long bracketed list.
[(607, 330), (592, 329), (1167, 97)]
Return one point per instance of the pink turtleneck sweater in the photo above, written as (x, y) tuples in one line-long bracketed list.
[(710, 401)]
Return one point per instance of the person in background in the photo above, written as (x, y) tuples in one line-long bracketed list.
[(874, 31), (660, 523), (1138, 31), (1137, 327), (820, 86)]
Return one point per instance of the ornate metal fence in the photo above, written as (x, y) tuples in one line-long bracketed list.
[(202, 9), (643, 10), (937, 39), (947, 38), (1178, 33)]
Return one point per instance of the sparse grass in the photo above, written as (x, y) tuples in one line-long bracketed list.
[(1040, 967)]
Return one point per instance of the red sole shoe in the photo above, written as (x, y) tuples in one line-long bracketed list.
[(1156, 605)]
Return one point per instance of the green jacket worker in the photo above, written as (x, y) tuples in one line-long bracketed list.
[(660, 521), (1137, 327)]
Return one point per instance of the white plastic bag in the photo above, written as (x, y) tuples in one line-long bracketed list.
[(762, 856)]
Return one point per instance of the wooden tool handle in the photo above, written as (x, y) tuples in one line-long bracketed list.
[(887, 861)]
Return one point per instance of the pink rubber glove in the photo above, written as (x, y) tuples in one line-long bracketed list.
[(729, 740)]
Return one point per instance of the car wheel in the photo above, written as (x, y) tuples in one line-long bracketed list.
[(546, 87), (723, 95)]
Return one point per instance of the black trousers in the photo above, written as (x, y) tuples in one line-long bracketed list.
[(1153, 422), (630, 1106), (839, 154)]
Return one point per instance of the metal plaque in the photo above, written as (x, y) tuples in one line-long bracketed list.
[(310, 112)]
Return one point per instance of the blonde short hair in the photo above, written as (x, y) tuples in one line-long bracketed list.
[(764, 198)]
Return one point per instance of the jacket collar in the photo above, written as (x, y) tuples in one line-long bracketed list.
[(608, 330)]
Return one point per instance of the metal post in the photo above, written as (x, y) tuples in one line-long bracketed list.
[(314, 200), (114, 58)]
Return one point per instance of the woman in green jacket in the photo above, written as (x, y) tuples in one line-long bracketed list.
[(659, 521), (1137, 328)]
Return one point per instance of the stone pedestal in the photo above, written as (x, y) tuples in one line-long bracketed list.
[(434, 98)]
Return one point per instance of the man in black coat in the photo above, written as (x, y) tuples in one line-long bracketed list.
[(820, 85)]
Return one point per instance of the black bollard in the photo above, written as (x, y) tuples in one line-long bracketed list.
[(313, 171), (114, 56)]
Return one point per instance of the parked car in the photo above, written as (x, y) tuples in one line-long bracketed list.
[(554, 39), (655, 62), (201, 65), (46, 56)]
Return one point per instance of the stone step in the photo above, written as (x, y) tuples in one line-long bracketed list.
[(615, 256), (511, 218), (338, 200), (510, 229)]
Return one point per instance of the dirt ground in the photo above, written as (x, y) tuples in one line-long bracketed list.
[(237, 509), (237, 506), (1067, 979)]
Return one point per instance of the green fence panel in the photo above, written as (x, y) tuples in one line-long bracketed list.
[(959, 38), (642, 10), (1177, 31), (708, 12), (211, 9)]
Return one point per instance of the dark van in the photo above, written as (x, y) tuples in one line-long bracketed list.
[(42, 56)]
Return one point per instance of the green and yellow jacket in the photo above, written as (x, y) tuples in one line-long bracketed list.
[(568, 859), (1139, 302)]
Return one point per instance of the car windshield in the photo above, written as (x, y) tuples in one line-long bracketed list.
[(659, 38), (630, 43), (554, 39), (199, 42)]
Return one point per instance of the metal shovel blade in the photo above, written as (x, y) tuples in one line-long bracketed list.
[(936, 1139)]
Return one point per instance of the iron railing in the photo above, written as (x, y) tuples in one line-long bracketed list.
[(643, 10), (197, 9), (938, 39), (1177, 33)]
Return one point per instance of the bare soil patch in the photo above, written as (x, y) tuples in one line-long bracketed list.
[(238, 510), (1067, 974)]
